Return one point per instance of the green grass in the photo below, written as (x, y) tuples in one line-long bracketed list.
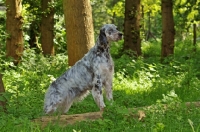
[(137, 83)]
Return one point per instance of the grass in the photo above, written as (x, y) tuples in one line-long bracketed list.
[(137, 83)]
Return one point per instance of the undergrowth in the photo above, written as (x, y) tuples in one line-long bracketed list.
[(137, 82)]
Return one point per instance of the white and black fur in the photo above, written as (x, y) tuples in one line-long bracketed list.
[(92, 72)]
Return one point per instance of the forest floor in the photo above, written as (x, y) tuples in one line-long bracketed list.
[(138, 83)]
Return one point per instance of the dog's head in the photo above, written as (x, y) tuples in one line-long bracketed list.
[(109, 33)]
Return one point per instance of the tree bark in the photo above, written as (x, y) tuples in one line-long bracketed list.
[(79, 28), (14, 21), (149, 26), (33, 41), (168, 31), (2, 90), (132, 39), (47, 26)]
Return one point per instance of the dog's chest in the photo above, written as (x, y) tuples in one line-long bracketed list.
[(106, 65)]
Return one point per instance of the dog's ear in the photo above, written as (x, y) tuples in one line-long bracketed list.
[(102, 37)]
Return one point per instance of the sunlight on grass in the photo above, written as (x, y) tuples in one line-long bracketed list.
[(142, 82), (151, 48), (137, 83)]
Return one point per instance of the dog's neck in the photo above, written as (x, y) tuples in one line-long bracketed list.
[(102, 47)]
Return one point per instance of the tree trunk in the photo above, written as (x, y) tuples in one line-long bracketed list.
[(143, 19), (79, 28), (14, 20), (149, 26), (2, 90), (47, 25), (113, 19), (168, 31), (33, 41), (132, 39)]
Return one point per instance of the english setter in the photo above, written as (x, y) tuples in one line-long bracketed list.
[(92, 72)]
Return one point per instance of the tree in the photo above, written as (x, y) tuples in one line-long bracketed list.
[(33, 41), (47, 24), (14, 21), (79, 28), (168, 31), (132, 39)]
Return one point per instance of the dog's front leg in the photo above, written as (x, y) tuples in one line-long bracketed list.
[(108, 90), (97, 91), (108, 83)]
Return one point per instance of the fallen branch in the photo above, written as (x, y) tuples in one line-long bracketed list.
[(64, 120), (190, 104)]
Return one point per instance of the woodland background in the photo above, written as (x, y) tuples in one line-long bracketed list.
[(157, 62)]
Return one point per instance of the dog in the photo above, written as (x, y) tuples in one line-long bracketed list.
[(91, 73)]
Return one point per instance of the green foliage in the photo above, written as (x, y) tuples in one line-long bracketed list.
[(3, 33), (105, 11), (60, 34), (118, 9), (186, 12), (137, 83), (26, 83), (151, 5), (32, 14)]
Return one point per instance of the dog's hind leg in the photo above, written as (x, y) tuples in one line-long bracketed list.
[(50, 107), (59, 106), (98, 98), (108, 90), (68, 103), (53, 99)]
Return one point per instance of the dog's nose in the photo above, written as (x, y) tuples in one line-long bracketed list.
[(120, 34)]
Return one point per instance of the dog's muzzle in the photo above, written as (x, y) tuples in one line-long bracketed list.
[(120, 36)]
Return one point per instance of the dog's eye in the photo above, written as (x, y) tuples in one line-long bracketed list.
[(111, 30)]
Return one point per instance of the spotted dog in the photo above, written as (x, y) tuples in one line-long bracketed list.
[(92, 72)]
